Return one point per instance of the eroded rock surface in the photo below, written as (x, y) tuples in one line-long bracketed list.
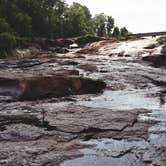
[(125, 125), (26, 140), (63, 83), (156, 60)]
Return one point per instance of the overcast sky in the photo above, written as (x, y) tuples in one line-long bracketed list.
[(136, 15)]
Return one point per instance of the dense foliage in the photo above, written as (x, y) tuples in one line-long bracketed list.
[(87, 39), (77, 21), (103, 24), (7, 44), (50, 19)]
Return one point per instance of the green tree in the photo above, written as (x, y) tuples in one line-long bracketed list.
[(116, 32), (77, 20), (123, 32), (4, 26), (100, 24), (36, 16), (52, 19), (23, 25), (110, 25), (7, 41), (103, 24), (7, 44)]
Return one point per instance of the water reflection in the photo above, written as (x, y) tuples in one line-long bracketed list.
[(128, 100)]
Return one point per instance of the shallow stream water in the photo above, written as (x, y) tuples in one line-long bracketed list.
[(123, 126), (130, 91)]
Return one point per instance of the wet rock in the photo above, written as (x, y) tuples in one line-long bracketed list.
[(156, 156), (17, 119), (151, 46), (121, 54), (160, 81), (37, 152), (110, 55), (25, 63), (127, 55), (87, 51), (94, 47), (27, 141), (38, 87), (156, 60), (88, 67), (9, 87), (66, 73), (5, 64), (103, 71), (69, 62), (99, 123), (151, 58)]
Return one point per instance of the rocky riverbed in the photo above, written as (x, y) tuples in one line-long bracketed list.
[(105, 107)]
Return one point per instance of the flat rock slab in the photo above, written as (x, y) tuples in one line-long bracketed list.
[(80, 119), (84, 121), (24, 141)]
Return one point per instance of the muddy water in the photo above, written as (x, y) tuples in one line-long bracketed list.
[(129, 88)]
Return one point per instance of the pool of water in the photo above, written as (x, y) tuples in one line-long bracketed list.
[(106, 152), (127, 100)]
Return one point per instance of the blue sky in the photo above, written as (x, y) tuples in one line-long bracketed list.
[(136, 15)]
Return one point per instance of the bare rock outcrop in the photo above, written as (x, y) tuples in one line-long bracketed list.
[(38, 87), (156, 60)]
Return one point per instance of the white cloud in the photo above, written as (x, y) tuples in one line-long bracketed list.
[(136, 15)]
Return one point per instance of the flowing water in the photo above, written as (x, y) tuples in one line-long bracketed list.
[(129, 88), (123, 126)]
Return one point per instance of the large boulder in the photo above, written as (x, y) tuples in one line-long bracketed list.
[(151, 58), (156, 60), (151, 46), (39, 87)]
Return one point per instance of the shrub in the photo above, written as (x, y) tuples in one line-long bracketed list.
[(7, 44), (58, 49), (86, 39), (4, 26), (7, 41), (23, 25), (116, 32), (123, 32), (23, 42)]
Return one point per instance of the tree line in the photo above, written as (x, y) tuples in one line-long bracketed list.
[(51, 19)]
